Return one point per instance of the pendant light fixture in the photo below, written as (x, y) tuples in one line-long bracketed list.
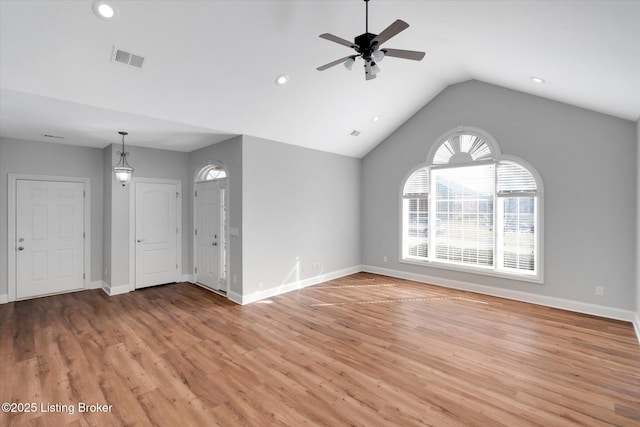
[(122, 170)]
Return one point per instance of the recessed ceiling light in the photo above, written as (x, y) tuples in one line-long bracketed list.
[(375, 118), (537, 80), (282, 79), (104, 10)]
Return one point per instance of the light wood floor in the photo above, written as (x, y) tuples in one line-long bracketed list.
[(362, 350)]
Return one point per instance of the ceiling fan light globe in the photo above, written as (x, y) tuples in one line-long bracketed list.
[(374, 69), (348, 64), (377, 55)]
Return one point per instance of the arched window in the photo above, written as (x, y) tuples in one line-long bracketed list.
[(211, 173), (473, 209)]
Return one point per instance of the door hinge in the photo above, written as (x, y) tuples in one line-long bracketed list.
[(196, 231), (176, 266), (84, 194), (196, 193), (84, 236), (196, 270), (177, 194), (83, 276), (177, 230)]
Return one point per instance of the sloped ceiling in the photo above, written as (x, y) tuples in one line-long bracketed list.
[(211, 65)]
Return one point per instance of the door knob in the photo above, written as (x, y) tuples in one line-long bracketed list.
[(140, 240), (21, 240), (20, 248)]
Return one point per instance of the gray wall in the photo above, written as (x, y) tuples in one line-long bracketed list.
[(638, 225), (229, 153), (587, 162), (39, 158), (147, 163), (300, 207)]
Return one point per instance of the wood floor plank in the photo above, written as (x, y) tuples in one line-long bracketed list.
[(363, 350)]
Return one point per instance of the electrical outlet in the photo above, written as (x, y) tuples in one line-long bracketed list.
[(600, 291), (384, 258)]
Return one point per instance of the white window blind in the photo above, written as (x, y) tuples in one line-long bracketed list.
[(417, 184), (513, 178), (517, 223), (416, 215), (464, 214)]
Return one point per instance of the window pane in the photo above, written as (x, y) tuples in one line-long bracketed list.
[(464, 214), (519, 233), (416, 228)]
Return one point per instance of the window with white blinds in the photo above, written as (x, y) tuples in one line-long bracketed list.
[(464, 214), (517, 219), (416, 215), (471, 210)]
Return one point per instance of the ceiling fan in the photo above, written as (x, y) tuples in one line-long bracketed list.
[(367, 46)]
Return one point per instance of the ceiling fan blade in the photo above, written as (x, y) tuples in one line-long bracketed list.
[(404, 54), (336, 62), (337, 39), (390, 31)]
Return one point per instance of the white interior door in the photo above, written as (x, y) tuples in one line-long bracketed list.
[(49, 237), (156, 231), (208, 236)]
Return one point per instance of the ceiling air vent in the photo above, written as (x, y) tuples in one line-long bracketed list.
[(48, 135), (124, 57), (355, 132)]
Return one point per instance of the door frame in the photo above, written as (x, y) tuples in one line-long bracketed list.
[(11, 226), (197, 180), (132, 225)]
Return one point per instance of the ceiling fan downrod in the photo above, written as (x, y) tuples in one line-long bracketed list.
[(366, 16)]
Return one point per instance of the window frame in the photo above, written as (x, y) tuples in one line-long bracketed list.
[(495, 270)]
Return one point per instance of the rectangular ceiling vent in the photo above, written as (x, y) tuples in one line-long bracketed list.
[(124, 57), (48, 135)]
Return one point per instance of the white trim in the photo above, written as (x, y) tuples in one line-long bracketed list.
[(4, 298), (188, 278), (132, 225), (299, 284), (489, 271), (11, 224), (98, 284), (547, 301), (636, 325), (235, 297), (116, 290)]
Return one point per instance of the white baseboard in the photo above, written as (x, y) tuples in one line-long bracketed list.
[(188, 278), (636, 325), (235, 297), (565, 304), (98, 284), (4, 298), (116, 290), (288, 287)]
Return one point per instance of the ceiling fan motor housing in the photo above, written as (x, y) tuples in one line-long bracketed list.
[(363, 45)]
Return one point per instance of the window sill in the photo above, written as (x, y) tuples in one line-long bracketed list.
[(483, 271)]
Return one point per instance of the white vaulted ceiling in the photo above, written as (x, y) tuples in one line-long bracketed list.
[(211, 66)]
